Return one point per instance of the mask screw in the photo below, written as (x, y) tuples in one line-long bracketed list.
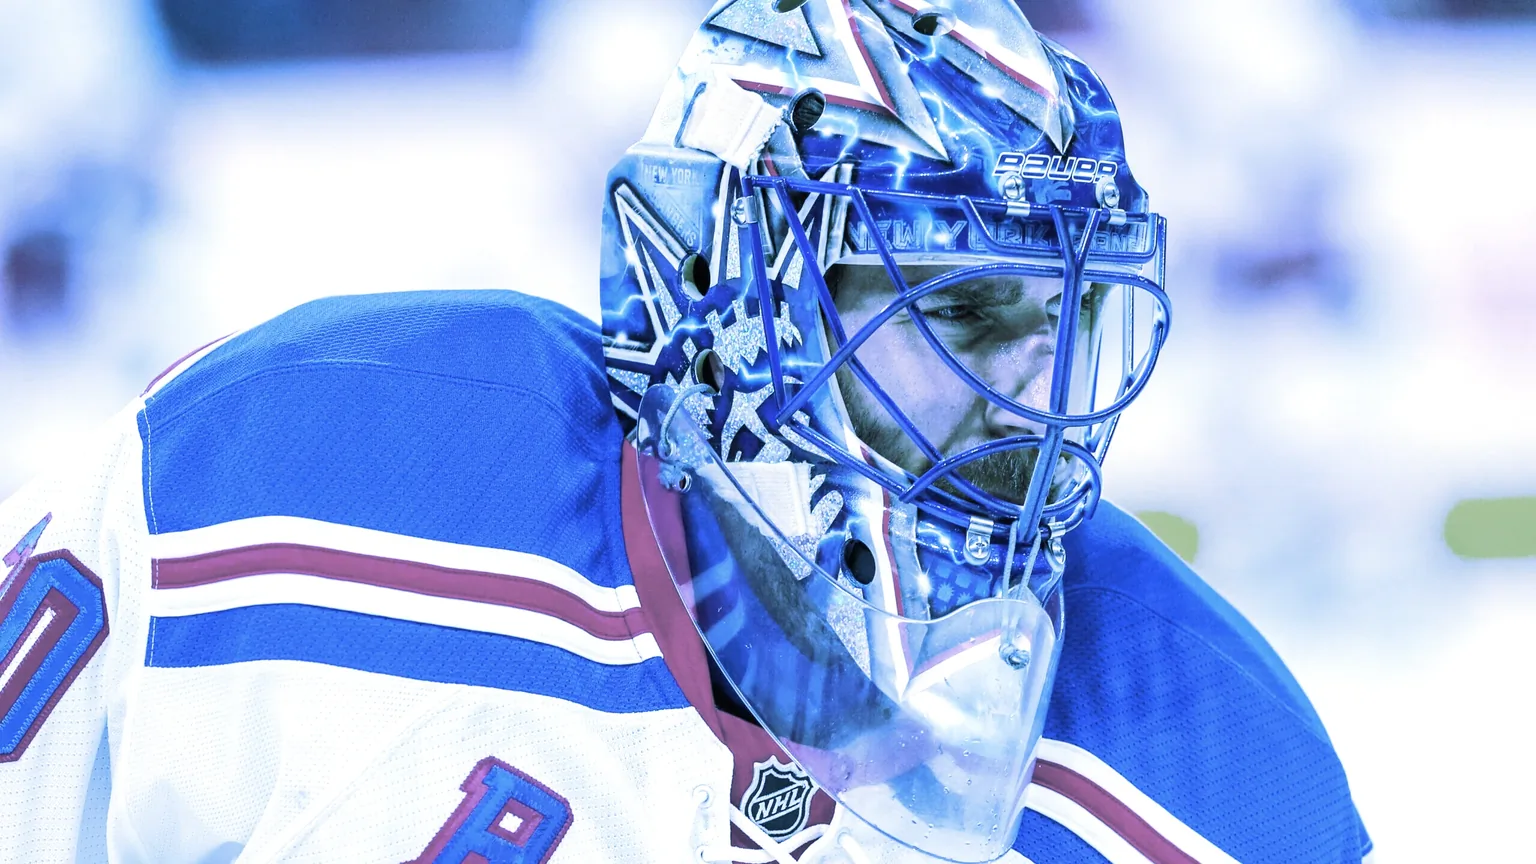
[(674, 478), (1107, 192), (1012, 186), (744, 211), (1014, 655), (978, 541)]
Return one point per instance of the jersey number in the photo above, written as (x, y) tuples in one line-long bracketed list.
[(506, 817), (53, 617)]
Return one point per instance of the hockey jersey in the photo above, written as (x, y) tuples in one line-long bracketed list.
[(372, 582)]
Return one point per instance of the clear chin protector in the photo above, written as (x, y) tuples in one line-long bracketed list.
[(908, 680)]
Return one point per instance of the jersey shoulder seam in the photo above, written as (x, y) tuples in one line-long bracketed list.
[(386, 368)]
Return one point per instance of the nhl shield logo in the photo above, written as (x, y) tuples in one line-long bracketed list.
[(779, 799)]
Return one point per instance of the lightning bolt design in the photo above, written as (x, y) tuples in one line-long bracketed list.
[(857, 68), (994, 44)]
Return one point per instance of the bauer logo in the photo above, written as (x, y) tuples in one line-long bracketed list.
[(1038, 166), (779, 799)]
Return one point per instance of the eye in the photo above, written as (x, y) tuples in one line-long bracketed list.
[(1053, 308), (953, 313)]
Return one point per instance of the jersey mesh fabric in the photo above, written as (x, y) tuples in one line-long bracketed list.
[(216, 755), (629, 781), (1162, 680), (472, 418), (96, 516), (476, 417)]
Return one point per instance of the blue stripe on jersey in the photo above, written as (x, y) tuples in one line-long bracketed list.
[(471, 417), (407, 649)]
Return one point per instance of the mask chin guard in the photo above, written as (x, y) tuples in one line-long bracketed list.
[(922, 726)]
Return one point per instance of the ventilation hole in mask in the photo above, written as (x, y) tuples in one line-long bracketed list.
[(933, 23), (859, 562), (707, 369), (695, 276), (806, 108), (787, 5)]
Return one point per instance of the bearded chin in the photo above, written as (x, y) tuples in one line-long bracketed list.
[(1004, 475)]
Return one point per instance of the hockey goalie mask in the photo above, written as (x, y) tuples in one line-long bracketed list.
[(877, 285)]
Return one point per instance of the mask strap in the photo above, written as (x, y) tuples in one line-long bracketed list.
[(1029, 565), (663, 439)]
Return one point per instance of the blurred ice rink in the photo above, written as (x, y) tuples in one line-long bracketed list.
[(1353, 352)]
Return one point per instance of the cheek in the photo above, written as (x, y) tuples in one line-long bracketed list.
[(914, 376)]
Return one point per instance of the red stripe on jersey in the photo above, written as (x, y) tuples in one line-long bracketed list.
[(498, 589), (174, 367), (1111, 811)]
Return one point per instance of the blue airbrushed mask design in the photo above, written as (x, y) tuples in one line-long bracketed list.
[(968, 185)]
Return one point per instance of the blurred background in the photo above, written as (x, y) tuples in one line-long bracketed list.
[(1340, 432)]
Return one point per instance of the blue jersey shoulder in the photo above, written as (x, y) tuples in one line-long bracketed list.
[(1114, 555), (1166, 682), (474, 417)]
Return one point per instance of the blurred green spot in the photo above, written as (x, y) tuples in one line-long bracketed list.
[(1492, 528), (1179, 533)]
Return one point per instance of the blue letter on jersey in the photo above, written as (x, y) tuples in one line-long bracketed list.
[(53, 617), (506, 817)]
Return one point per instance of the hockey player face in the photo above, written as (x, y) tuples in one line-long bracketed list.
[(1002, 327)]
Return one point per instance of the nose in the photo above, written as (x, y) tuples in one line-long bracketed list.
[(1030, 386)]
